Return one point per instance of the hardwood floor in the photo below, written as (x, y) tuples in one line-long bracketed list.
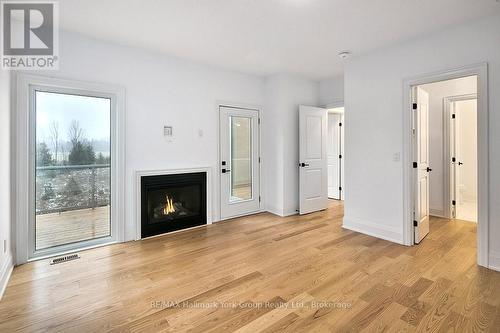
[(262, 274)]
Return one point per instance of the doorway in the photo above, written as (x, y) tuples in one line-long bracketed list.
[(321, 157), (425, 171), (335, 148), (462, 140), (239, 162)]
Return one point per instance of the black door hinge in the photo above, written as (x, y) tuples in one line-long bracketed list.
[(340, 124), (415, 223), (258, 121), (340, 156), (260, 199), (259, 159), (453, 202), (453, 116), (415, 165), (340, 188), (453, 159), (415, 106)]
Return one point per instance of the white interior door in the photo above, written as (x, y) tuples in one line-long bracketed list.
[(313, 162), (333, 148), (239, 162), (421, 158)]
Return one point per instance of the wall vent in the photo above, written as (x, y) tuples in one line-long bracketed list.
[(69, 257)]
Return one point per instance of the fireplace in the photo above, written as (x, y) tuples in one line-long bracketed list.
[(173, 202)]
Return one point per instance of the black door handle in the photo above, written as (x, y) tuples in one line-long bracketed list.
[(460, 163), (226, 171), (303, 165), (429, 169)]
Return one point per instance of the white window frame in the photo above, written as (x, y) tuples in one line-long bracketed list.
[(25, 162)]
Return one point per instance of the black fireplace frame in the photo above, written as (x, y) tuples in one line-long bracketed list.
[(161, 181)]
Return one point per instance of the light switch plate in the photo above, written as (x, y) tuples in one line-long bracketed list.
[(168, 131)]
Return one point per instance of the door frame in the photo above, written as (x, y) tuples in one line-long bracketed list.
[(332, 110), (447, 174), (481, 71), (24, 162), (242, 106)]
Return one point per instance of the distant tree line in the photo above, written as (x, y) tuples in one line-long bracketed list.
[(81, 151)]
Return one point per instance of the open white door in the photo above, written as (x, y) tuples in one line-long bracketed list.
[(313, 175), (421, 165)]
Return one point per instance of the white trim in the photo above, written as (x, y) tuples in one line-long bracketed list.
[(281, 212), (5, 272), (24, 162), (494, 260), (339, 103), (437, 213), (391, 234), (446, 150), (142, 173), (481, 70)]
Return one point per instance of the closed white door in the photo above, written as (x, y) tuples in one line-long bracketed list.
[(239, 162), (334, 155), (313, 162), (421, 167)]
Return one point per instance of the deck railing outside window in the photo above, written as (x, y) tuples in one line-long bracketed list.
[(64, 188)]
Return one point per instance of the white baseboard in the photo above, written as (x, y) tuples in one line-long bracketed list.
[(494, 261), (5, 272), (437, 213), (280, 212), (374, 229)]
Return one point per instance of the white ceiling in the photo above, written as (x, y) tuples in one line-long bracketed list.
[(265, 37)]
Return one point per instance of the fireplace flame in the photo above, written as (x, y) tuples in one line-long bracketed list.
[(169, 206)]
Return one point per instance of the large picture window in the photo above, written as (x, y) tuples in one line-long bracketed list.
[(72, 168), (70, 161)]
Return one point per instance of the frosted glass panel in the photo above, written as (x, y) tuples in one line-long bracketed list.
[(241, 158)]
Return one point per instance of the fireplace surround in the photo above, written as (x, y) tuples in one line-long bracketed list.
[(171, 202)]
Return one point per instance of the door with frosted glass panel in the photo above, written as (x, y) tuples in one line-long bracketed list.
[(239, 162)]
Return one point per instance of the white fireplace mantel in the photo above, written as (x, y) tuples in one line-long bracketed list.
[(143, 173)]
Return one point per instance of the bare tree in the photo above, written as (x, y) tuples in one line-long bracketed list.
[(55, 139), (75, 132)]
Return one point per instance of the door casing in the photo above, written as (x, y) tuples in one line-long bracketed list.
[(481, 71)]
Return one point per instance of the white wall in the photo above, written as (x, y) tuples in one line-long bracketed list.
[(437, 92), (160, 91), (374, 100), (331, 90), (5, 197), (284, 94)]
